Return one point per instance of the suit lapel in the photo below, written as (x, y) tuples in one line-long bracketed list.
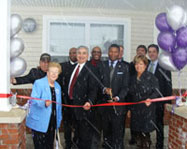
[(82, 73), (157, 70), (115, 71), (107, 69)]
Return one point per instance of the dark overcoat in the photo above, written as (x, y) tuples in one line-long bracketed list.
[(143, 117)]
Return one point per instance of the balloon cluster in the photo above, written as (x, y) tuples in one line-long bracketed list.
[(17, 64), (172, 38)]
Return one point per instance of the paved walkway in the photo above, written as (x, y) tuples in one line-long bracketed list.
[(127, 137)]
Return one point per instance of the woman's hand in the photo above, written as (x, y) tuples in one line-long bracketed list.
[(148, 102), (48, 102)]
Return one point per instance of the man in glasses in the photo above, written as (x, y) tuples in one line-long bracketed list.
[(96, 62), (96, 55)]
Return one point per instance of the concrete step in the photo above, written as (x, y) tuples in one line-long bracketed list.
[(29, 140)]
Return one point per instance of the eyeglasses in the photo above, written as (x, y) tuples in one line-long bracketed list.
[(97, 52)]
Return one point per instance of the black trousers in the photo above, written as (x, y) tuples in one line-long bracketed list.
[(69, 126), (44, 140), (97, 122), (160, 125), (85, 132), (143, 140), (113, 130), (133, 134)]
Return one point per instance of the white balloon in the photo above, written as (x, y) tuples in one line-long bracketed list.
[(166, 62), (17, 66), (175, 16), (184, 22), (16, 24), (16, 47)]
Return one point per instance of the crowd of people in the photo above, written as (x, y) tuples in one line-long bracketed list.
[(88, 82)]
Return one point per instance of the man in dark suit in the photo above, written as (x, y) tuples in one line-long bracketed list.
[(67, 68), (68, 114), (115, 81), (96, 56), (82, 91), (141, 50), (165, 89), (121, 54), (95, 62)]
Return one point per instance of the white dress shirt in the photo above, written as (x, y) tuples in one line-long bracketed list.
[(72, 75), (114, 63)]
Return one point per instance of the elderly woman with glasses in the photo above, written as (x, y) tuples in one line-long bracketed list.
[(45, 115)]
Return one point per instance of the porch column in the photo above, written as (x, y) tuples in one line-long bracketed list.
[(5, 53)]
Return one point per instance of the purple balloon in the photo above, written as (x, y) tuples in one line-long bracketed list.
[(182, 37), (166, 41), (161, 23), (180, 58)]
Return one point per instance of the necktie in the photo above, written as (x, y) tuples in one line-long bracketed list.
[(73, 82), (111, 71), (151, 68), (111, 66)]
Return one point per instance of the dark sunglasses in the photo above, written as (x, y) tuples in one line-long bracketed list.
[(96, 51)]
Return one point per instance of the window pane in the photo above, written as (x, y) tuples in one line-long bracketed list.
[(64, 36), (59, 59), (104, 35)]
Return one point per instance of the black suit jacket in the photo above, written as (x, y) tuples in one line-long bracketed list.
[(84, 91), (165, 81), (125, 62), (119, 84), (63, 80), (132, 69), (142, 89), (34, 74), (97, 77)]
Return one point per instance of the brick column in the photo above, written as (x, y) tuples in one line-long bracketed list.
[(177, 138), (12, 129)]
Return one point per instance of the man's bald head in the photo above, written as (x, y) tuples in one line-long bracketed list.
[(73, 54)]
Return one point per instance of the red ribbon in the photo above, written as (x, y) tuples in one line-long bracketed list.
[(97, 105), (5, 95), (185, 94)]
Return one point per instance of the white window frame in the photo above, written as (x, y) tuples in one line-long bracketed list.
[(87, 21)]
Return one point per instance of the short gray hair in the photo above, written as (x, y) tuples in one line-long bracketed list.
[(82, 47)]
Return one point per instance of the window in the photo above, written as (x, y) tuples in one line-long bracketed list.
[(60, 34), (104, 35)]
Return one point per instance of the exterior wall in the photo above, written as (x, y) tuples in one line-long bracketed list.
[(142, 32), (13, 136), (177, 132)]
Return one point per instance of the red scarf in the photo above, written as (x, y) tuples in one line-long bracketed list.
[(94, 62)]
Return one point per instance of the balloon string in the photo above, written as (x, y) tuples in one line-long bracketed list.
[(179, 83)]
